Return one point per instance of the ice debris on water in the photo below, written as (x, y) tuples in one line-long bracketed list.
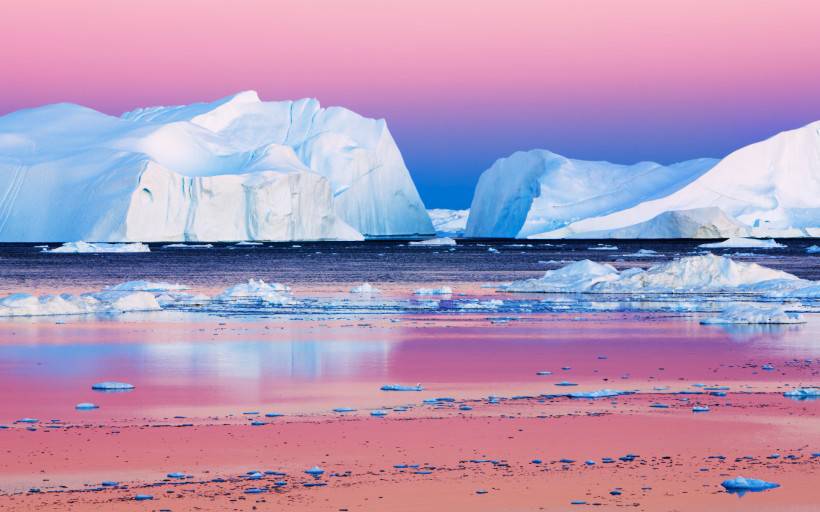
[(90, 248), (603, 393), (803, 393), (365, 289), (434, 242), (112, 386), (257, 289), (444, 290), (754, 314), (400, 387), (86, 406), (105, 302), (742, 484)]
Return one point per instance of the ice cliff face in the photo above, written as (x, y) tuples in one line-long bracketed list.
[(234, 169), (770, 188)]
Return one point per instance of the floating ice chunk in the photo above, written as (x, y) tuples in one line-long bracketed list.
[(112, 386), (603, 393), (641, 253), (602, 247), (27, 420), (566, 383), (813, 249), (344, 409), (748, 484), (143, 497), (378, 413), (365, 289), (86, 248), (399, 387), (803, 393), (444, 290), (743, 243), (23, 304), (692, 274), (315, 471), (146, 286), (245, 243), (86, 406), (188, 246), (543, 372), (447, 241), (492, 250), (176, 475), (273, 293), (700, 408), (754, 314)]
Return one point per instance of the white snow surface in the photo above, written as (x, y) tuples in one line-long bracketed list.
[(706, 273), (767, 189), (449, 222), (92, 248), (234, 169), (743, 243), (433, 242), (754, 314)]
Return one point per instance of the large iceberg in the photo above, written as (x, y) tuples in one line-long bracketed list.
[(450, 223), (234, 169), (767, 189)]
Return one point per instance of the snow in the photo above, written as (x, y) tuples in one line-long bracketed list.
[(234, 169), (106, 302), (257, 289), (748, 484), (449, 222), (766, 189), (754, 314), (692, 274), (743, 243), (434, 242), (85, 247), (444, 290)]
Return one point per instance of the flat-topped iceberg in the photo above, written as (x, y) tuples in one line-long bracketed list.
[(238, 168), (743, 243), (92, 248), (755, 314), (24, 304), (433, 242), (706, 273)]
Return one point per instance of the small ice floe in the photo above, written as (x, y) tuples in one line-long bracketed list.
[(257, 289), (112, 386), (444, 290), (315, 471), (91, 248), (813, 249), (602, 393), (769, 367), (143, 497), (109, 483), (602, 247), (492, 250), (566, 383), (344, 409), (188, 246), (543, 372), (743, 243), (434, 242), (741, 485), (700, 408), (246, 243), (378, 413), (86, 406), (106, 302), (176, 475), (365, 289), (754, 314), (27, 420), (641, 253), (399, 387), (273, 414), (254, 490), (803, 393)]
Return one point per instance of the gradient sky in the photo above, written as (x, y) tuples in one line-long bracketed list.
[(460, 83)]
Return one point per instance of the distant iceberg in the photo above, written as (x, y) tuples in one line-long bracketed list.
[(434, 242), (85, 247), (755, 314)]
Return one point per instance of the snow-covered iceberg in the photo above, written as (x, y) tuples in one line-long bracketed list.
[(257, 289), (767, 189), (234, 169), (93, 248), (743, 243), (450, 223), (705, 273), (754, 314), (24, 304)]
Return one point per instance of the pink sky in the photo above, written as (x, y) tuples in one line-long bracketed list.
[(616, 79)]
